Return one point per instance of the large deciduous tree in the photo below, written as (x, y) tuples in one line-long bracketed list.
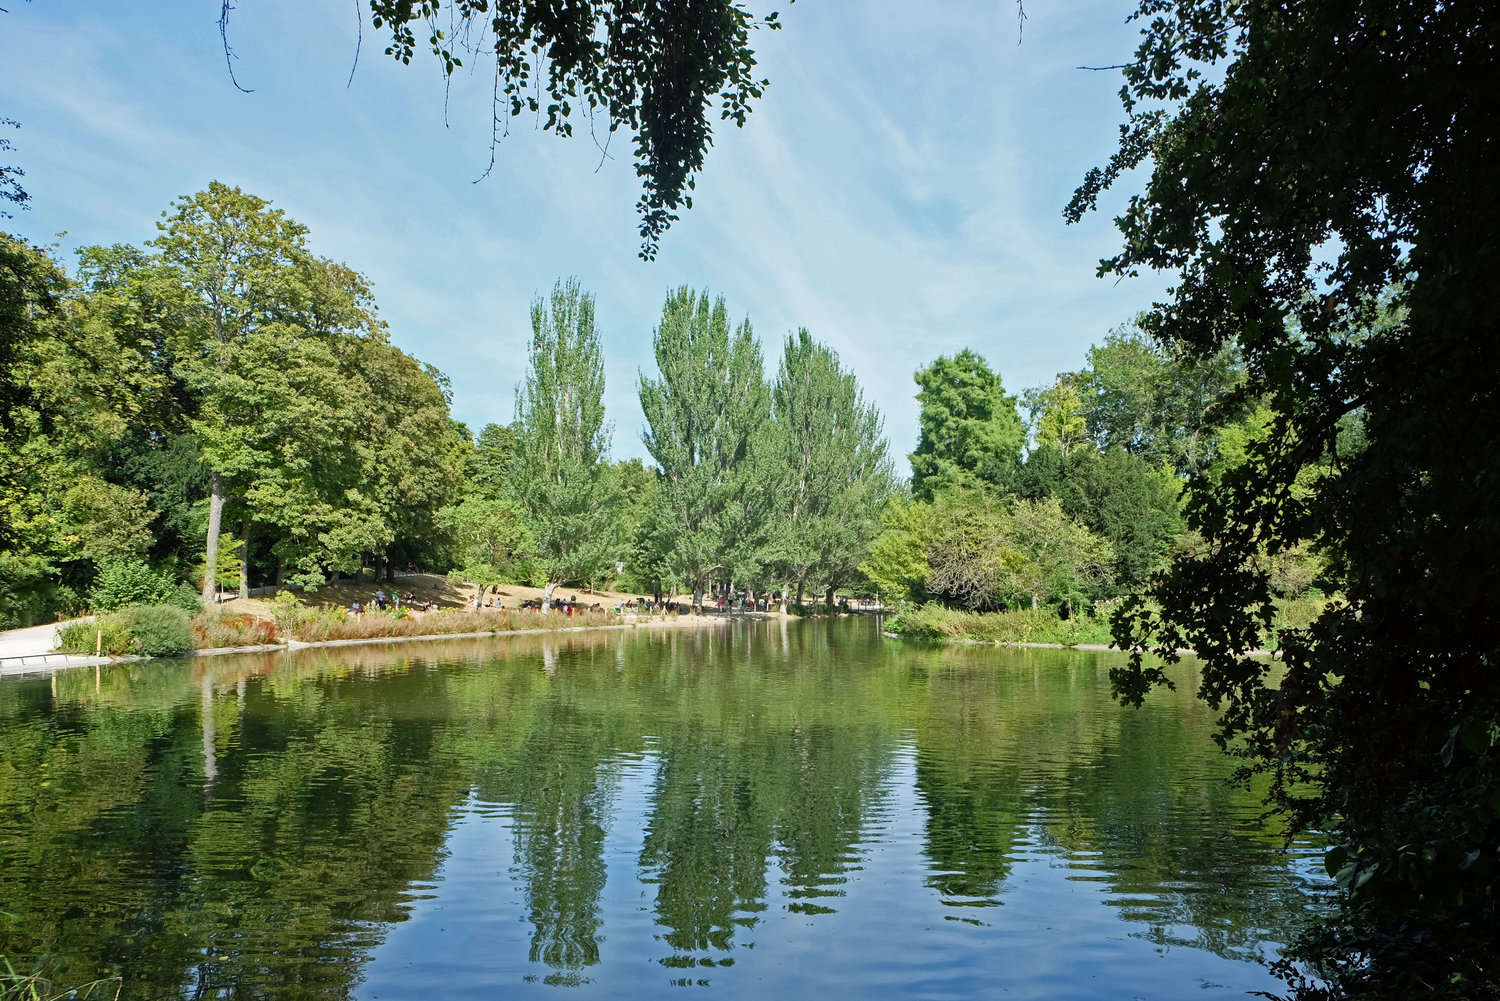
[(832, 476), (557, 469), (1311, 166)]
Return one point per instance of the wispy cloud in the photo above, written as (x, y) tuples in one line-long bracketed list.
[(898, 191)]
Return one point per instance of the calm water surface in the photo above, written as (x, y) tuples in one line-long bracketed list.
[(764, 809)]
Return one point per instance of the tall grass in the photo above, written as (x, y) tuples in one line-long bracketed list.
[(1018, 626), (35, 987), (332, 623), (219, 628)]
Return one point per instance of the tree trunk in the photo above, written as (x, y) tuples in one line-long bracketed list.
[(1033, 601), (211, 550), (379, 563), (280, 571), (830, 599), (245, 558), (547, 595), (799, 594), (390, 571)]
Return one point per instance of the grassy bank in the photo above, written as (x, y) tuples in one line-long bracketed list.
[(152, 631), (1021, 626), (1042, 626)]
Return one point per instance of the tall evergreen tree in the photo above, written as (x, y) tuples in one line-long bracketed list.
[(971, 431)]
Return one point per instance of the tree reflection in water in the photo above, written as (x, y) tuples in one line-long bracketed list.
[(254, 827)]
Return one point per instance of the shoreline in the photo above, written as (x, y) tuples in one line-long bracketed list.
[(1092, 647), (66, 661)]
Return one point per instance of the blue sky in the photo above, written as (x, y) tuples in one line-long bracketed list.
[(898, 191)]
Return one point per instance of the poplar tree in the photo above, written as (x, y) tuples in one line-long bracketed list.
[(702, 415), (557, 469), (831, 462)]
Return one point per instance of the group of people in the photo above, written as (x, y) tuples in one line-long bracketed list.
[(409, 601)]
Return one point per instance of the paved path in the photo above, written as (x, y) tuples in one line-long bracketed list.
[(30, 651)]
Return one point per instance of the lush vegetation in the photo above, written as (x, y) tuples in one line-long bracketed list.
[(1321, 178), (1297, 441), (226, 377), (934, 621), (224, 408)]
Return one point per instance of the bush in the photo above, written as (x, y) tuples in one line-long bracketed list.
[(287, 610), (161, 630), (184, 596), (218, 628), (1017, 626), (333, 623), (109, 634), (122, 583)]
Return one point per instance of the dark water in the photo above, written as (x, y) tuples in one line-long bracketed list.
[(763, 810)]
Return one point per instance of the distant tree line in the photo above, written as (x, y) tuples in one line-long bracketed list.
[(223, 407)]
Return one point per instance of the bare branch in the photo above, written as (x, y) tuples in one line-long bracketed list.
[(228, 52)]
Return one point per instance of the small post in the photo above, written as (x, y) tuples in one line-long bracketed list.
[(98, 642)]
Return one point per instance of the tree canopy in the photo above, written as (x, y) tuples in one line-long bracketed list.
[(1321, 178), (970, 431), (557, 468)]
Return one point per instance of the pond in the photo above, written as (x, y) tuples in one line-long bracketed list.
[(763, 808)]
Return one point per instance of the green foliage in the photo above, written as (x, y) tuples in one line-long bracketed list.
[(826, 463), (557, 472), (1158, 400), (125, 582), (974, 548), (664, 70), (896, 564), (110, 634), (971, 432), (1117, 495), (703, 417), (161, 630), (1026, 625), (287, 610), (493, 452), (1319, 179)]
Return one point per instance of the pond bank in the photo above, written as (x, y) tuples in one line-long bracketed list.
[(34, 653), (1096, 647)]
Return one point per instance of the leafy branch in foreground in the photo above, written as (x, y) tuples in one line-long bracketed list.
[(655, 69)]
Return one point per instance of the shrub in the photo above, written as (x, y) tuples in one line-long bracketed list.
[(217, 629), (111, 633), (126, 582), (933, 621), (184, 596), (161, 630), (123, 583), (332, 623), (287, 610)]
